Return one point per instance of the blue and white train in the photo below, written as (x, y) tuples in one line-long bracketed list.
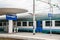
[(25, 25), (41, 26)]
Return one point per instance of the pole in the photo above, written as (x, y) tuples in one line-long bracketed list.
[(50, 18), (34, 17), (50, 26)]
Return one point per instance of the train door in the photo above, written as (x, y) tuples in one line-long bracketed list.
[(39, 26)]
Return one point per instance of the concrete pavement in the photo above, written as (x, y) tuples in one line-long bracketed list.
[(30, 36)]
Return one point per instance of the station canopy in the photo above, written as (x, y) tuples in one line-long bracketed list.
[(11, 11)]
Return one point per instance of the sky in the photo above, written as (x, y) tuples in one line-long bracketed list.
[(41, 6)]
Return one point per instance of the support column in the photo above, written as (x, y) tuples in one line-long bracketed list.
[(53, 23), (34, 27), (27, 23), (21, 24), (34, 22), (10, 27), (43, 23)]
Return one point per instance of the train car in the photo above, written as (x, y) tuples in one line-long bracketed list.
[(41, 26), (26, 24)]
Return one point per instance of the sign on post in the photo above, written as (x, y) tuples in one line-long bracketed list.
[(50, 15), (11, 17)]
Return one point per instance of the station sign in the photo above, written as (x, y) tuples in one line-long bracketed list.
[(11, 17), (50, 15)]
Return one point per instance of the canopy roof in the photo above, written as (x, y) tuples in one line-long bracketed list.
[(11, 11)]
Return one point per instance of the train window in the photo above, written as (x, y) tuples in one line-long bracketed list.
[(18, 23), (57, 23), (7, 23), (4, 23), (24, 23), (48, 23), (0, 23), (14, 24), (30, 23)]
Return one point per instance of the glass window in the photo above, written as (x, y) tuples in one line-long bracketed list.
[(0, 23), (39, 24), (18, 23), (7, 23), (30, 23), (24, 23), (57, 23), (48, 23), (4, 23), (14, 24)]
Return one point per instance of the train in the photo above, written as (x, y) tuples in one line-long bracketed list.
[(25, 23), (27, 26), (41, 26)]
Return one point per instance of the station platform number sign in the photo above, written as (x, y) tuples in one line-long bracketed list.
[(50, 15)]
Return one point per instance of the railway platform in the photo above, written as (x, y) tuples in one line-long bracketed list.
[(30, 36)]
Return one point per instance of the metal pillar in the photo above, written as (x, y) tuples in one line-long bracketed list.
[(34, 27), (51, 11)]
